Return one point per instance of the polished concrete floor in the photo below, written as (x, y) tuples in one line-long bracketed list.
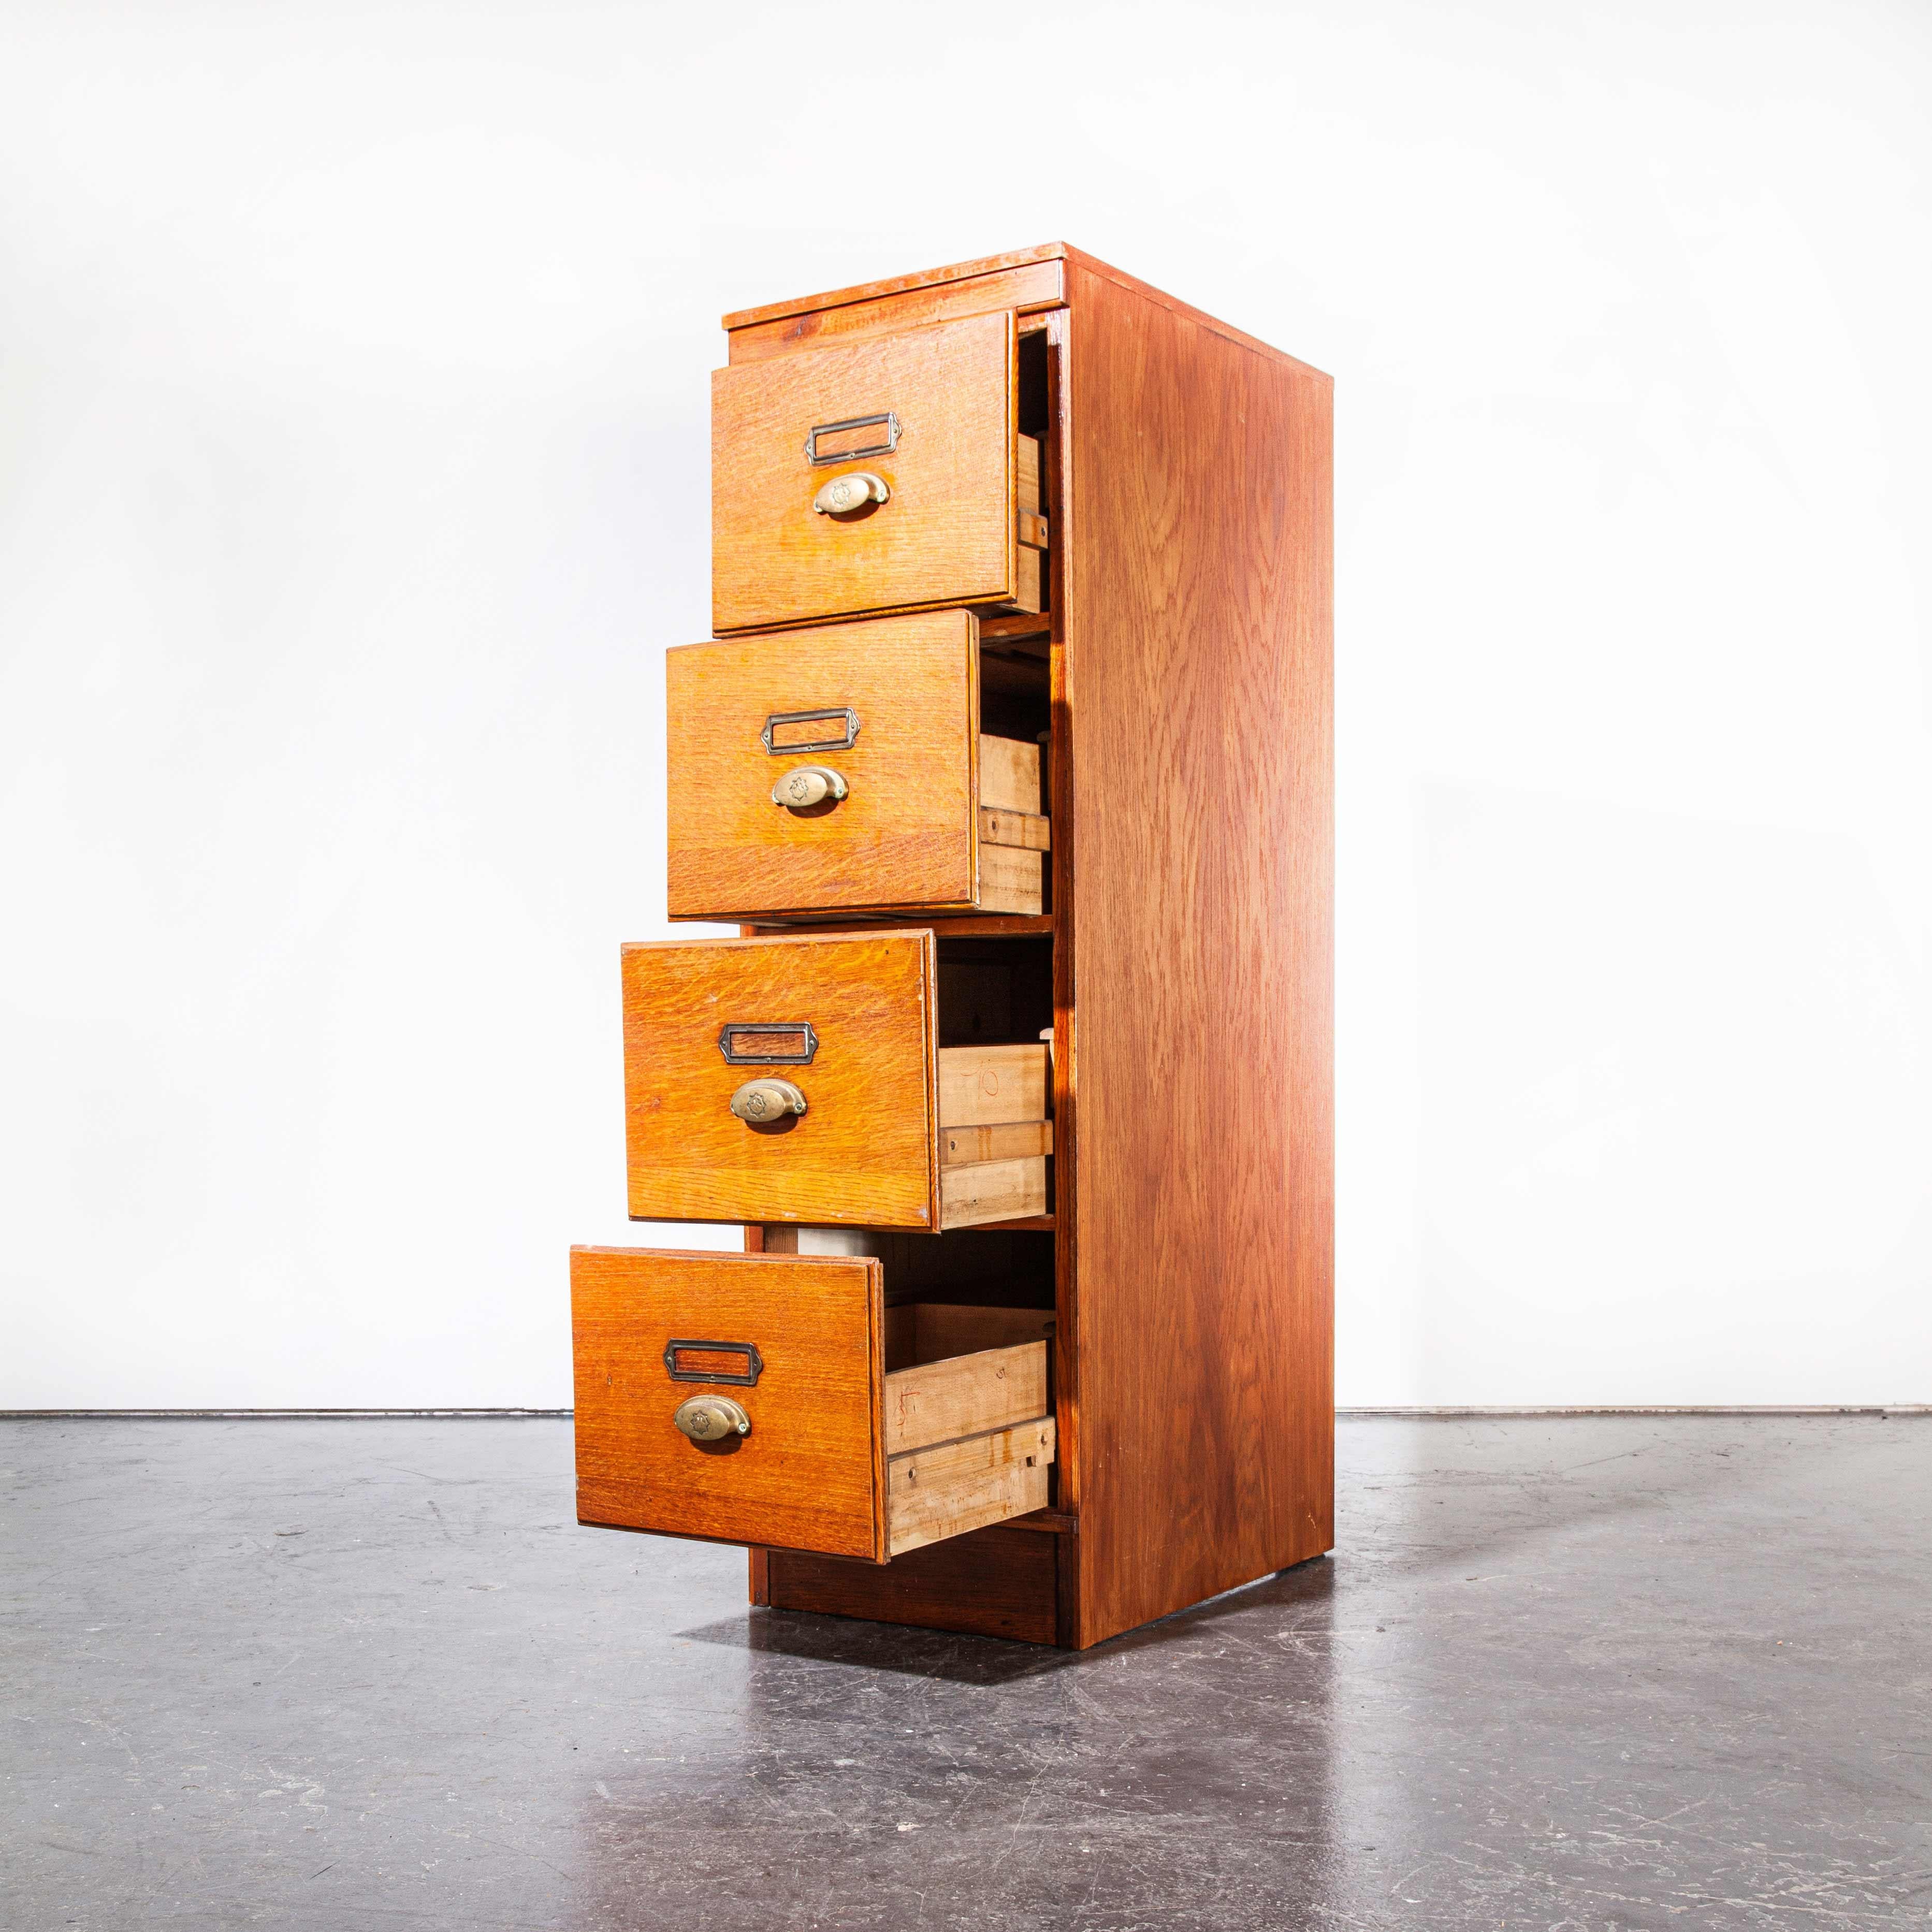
[(1578, 1673)]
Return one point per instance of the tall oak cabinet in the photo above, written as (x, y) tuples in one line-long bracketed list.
[(1011, 758)]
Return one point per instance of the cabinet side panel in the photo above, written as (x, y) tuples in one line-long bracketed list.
[(1199, 627)]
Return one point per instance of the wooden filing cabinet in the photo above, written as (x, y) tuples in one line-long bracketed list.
[(1011, 758)]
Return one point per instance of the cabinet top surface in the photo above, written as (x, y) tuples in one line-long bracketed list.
[(894, 285), (987, 265)]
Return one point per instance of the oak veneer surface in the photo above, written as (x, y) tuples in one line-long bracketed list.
[(989, 1583), (905, 835), (901, 297), (1196, 1403), (865, 1152), (895, 286), (946, 534), (1035, 285), (811, 1471)]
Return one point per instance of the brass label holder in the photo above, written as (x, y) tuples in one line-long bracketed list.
[(841, 714), (673, 1361), (886, 420), (784, 1043)]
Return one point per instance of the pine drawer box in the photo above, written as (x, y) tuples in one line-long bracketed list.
[(775, 1400), (845, 768), (887, 474), (801, 1080)]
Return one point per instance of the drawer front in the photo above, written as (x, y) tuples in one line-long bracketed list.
[(858, 1044), (810, 1472), (900, 737), (795, 1435), (944, 533)]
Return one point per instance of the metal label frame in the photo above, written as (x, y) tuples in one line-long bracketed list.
[(754, 1363), (843, 712), (733, 1057), (888, 419)]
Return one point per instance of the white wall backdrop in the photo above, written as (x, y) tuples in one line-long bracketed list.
[(352, 480)]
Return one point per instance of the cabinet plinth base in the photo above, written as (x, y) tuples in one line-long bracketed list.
[(990, 1583)]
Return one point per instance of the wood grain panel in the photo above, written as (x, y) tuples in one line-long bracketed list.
[(1034, 285), (965, 1395), (1011, 1140), (809, 1475), (1193, 535), (957, 1486), (1029, 479), (1059, 803), (1017, 628), (984, 1191), (1029, 595), (903, 836), (987, 1086), (865, 1152), (990, 1583), (1031, 830), (1011, 880), (1009, 775), (900, 287), (888, 287), (930, 1331), (946, 534)]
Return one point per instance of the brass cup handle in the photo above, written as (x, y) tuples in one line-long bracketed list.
[(856, 488), (758, 1101), (710, 1418), (806, 785)]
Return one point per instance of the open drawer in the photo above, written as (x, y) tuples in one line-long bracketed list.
[(801, 1079), (774, 1400), (879, 476), (846, 768)]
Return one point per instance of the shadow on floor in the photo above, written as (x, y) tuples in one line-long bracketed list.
[(986, 1660)]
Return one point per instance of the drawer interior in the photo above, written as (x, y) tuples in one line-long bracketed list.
[(1016, 696), (1030, 574), (968, 1324), (969, 1430), (1016, 824), (995, 1001)]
